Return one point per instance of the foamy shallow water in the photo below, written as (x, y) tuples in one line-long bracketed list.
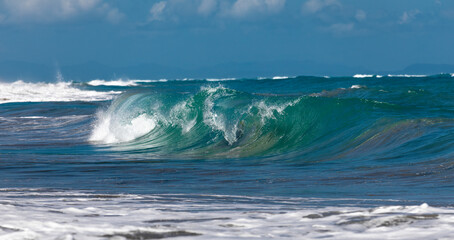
[(52, 214)]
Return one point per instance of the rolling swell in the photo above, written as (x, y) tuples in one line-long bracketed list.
[(224, 123)]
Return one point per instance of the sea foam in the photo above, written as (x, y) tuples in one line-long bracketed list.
[(109, 129), (20, 91), (40, 214), (407, 75), (219, 79), (280, 77), (363, 76), (122, 82), (119, 82)]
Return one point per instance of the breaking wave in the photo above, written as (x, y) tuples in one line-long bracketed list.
[(122, 82), (221, 122), (20, 91)]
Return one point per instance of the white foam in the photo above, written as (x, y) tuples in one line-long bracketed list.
[(452, 74), (267, 111), (118, 82), (78, 215), (33, 117), (220, 79), (159, 80), (217, 121), (279, 77), (111, 129), (406, 75), (122, 82), (20, 91), (181, 115), (185, 79), (357, 86), (363, 76)]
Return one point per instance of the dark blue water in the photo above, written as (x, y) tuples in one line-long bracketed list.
[(368, 138)]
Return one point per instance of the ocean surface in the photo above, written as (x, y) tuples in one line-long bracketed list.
[(362, 157)]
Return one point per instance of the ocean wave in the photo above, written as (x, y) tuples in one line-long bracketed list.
[(219, 79), (136, 82), (363, 76), (280, 77), (389, 75), (357, 86), (406, 75), (222, 122), (119, 82), (222, 116), (20, 91), (122, 83)]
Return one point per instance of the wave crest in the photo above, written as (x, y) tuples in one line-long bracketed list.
[(217, 121), (20, 91)]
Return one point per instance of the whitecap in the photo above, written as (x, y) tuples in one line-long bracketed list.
[(363, 76), (357, 86), (280, 77), (406, 75), (219, 79), (118, 82), (20, 91), (123, 82), (111, 129)]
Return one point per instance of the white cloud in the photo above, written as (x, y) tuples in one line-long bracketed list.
[(360, 15), (313, 6), (114, 15), (176, 10), (54, 11), (207, 6), (156, 11), (243, 8), (408, 16), (341, 27)]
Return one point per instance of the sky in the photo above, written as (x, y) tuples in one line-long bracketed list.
[(379, 35)]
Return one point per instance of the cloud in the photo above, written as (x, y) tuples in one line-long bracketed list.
[(207, 6), (176, 10), (44, 11), (114, 15), (243, 8), (341, 27), (408, 16), (360, 15), (314, 6), (157, 10)]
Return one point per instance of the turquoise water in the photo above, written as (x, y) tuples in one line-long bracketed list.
[(369, 139)]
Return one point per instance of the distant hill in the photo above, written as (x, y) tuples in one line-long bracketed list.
[(277, 68), (428, 69)]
